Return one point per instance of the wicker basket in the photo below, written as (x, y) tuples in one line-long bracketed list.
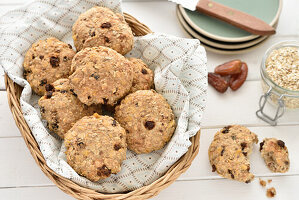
[(77, 191)]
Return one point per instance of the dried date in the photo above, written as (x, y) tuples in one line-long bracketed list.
[(236, 81), (229, 68), (219, 83)]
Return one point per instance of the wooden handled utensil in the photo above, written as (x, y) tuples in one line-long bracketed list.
[(232, 16)]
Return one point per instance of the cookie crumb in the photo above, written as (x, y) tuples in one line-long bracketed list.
[(263, 183), (270, 181), (271, 192)]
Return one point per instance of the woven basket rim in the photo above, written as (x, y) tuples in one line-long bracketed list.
[(75, 190)]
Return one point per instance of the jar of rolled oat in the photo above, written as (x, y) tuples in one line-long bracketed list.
[(280, 79)]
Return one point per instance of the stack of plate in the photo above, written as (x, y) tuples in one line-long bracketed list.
[(221, 37)]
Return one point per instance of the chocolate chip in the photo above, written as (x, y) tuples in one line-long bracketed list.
[(103, 171), (117, 147), (54, 61), (213, 168), (41, 57), (149, 125), (106, 39), (54, 126), (244, 153), (281, 143), (65, 58), (43, 82), (144, 71), (106, 25), (248, 181), (261, 145), (225, 129), (113, 123), (243, 145), (49, 94), (92, 34), (222, 151), (73, 93), (89, 97), (49, 87), (105, 100), (231, 173), (70, 46), (95, 76)]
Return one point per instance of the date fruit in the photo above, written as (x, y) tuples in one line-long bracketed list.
[(219, 83), (237, 80), (229, 68)]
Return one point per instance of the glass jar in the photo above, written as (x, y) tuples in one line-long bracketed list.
[(280, 97)]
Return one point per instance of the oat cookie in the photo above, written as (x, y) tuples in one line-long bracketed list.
[(102, 76), (100, 26), (61, 107), (148, 120), (96, 147), (229, 151), (275, 154), (47, 61), (143, 77)]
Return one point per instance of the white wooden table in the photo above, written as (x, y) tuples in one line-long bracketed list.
[(21, 179)]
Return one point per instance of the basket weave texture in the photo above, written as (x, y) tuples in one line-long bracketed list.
[(75, 190)]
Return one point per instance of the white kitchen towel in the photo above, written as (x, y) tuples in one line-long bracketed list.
[(180, 67)]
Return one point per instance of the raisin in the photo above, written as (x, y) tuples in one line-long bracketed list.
[(73, 93), (225, 129), (286, 162), (149, 125), (244, 153), (280, 143), (261, 145), (89, 97), (106, 25), (65, 58), (49, 94), (54, 61), (231, 173), (43, 82), (248, 181), (222, 151), (95, 76), (113, 123), (144, 71), (103, 171), (117, 147), (233, 137), (106, 39), (33, 56), (213, 168), (136, 104), (42, 110), (49, 87), (92, 34), (243, 145), (54, 126), (80, 144), (63, 91), (105, 100), (70, 46), (41, 57)]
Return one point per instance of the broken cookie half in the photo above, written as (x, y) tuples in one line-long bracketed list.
[(229, 151)]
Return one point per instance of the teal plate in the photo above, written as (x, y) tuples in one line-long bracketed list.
[(266, 10)]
